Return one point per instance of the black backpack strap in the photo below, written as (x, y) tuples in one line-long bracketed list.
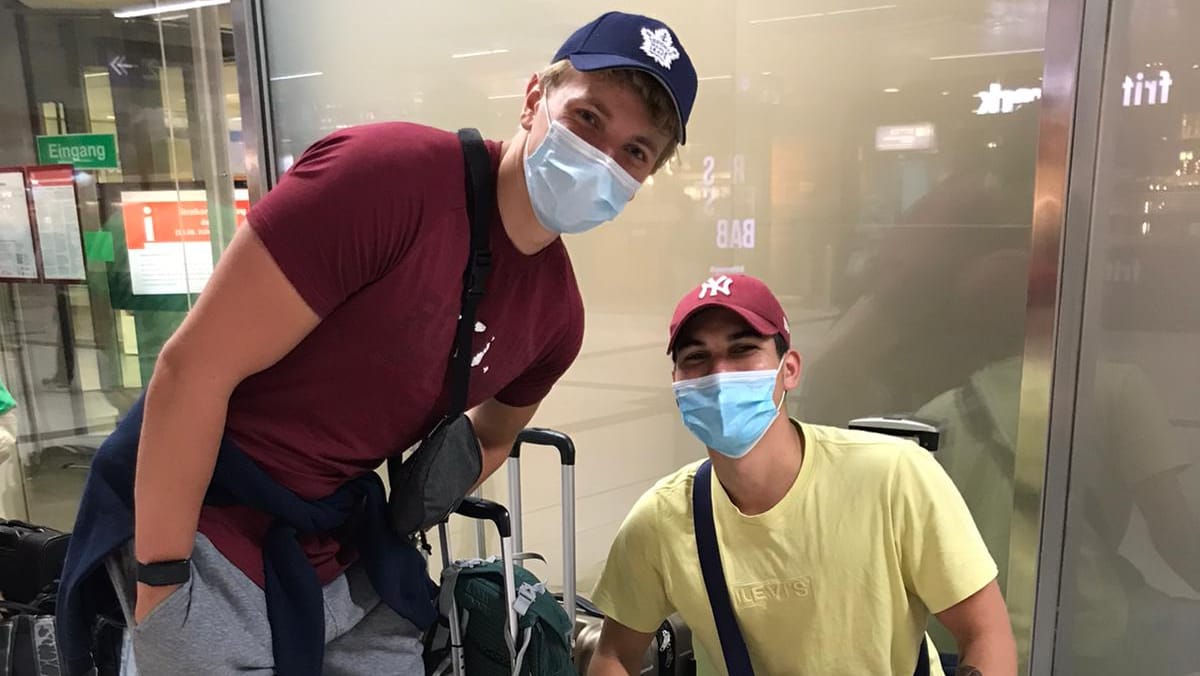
[(733, 645), (481, 200)]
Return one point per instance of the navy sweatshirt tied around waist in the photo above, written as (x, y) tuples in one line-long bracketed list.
[(295, 605)]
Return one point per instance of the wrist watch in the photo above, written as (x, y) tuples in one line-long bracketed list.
[(164, 573)]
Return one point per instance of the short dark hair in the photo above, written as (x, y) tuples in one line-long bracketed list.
[(781, 345)]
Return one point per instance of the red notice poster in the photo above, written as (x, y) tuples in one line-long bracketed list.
[(167, 235)]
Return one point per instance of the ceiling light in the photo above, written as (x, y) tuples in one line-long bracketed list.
[(981, 55), (486, 52), (815, 15), (296, 76), (891, 90), (860, 10), (775, 19), (164, 7)]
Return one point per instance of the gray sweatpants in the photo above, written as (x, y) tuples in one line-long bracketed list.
[(216, 623)]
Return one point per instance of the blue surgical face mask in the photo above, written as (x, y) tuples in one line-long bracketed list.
[(572, 185), (729, 412)]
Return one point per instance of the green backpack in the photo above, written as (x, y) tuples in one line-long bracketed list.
[(543, 629)]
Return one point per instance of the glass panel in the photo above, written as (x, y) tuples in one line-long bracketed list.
[(76, 355), (1130, 599), (873, 162)]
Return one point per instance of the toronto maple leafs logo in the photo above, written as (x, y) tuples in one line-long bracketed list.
[(657, 44)]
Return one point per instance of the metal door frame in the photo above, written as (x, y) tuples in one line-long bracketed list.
[(1073, 85)]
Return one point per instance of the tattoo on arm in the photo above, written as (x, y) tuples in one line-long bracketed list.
[(967, 670)]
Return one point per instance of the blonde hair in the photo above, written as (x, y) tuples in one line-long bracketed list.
[(651, 92)]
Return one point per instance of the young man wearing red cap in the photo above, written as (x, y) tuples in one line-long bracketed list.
[(832, 547), (321, 347)]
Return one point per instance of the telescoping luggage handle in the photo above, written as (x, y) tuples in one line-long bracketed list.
[(926, 434), (487, 510), (535, 436)]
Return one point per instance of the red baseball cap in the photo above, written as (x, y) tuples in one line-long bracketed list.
[(748, 296)]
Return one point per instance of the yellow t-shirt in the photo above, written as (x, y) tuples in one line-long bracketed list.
[(840, 577)]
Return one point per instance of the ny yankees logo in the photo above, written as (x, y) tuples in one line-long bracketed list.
[(716, 285)]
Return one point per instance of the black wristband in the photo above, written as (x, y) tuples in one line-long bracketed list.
[(164, 573)]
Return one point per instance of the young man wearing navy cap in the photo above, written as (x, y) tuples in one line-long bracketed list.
[(321, 346), (835, 545)]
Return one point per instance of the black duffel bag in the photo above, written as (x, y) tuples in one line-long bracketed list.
[(31, 558)]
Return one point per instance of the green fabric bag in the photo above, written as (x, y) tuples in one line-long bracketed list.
[(543, 628)]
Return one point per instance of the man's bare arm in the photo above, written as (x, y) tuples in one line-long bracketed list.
[(984, 635), (497, 426), (620, 651), (248, 318)]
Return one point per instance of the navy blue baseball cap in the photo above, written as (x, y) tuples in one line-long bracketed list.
[(619, 40)]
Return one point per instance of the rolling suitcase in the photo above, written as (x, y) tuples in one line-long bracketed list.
[(671, 650), (518, 585)]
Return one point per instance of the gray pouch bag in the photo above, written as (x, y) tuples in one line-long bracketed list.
[(430, 485)]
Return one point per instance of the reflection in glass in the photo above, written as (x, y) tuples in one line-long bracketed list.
[(76, 356)]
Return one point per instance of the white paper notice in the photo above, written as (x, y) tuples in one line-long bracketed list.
[(17, 259), (57, 217)]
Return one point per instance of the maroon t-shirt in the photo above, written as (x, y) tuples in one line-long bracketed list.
[(370, 226)]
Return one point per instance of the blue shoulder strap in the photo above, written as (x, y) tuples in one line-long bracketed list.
[(733, 646), (922, 658)]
